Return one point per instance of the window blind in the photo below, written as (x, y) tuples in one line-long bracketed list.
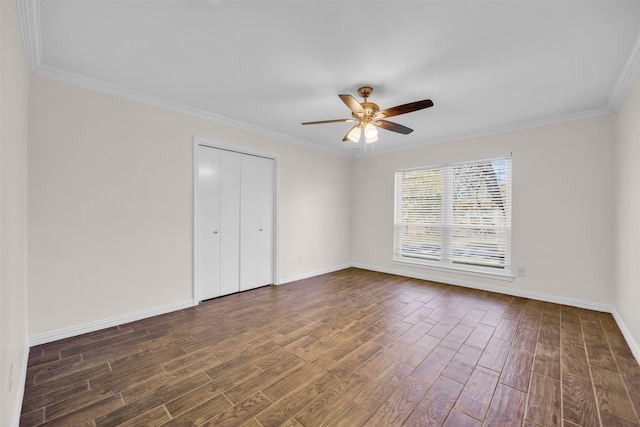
[(455, 215)]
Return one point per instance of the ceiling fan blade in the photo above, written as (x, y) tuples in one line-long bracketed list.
[(352, 103), (394, 127), (405, 108), (329, 121)]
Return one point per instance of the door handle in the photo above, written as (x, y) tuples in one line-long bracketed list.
[(215, 232)]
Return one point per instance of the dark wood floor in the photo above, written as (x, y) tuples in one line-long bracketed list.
[(348, 348)]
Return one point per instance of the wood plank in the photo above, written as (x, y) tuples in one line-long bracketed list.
[(611, 394), (480, 336), (348, 416), (517, 369), (457, 337), (478, 392), (579, 404), (458, 419), (571, 333), (434, 408), (241, 412), (507, 407), (245, 389), (549, 333), (284, 409), (85, 414), (574, 361), (612, 420), (154, 418), (330, 402), (201, 413), (506, 329), (543, 405), (150, 401), (473, 317), (600, 355), (420, 350), (547, 360), (376, 392), (495, 354), (397, 408), (357, 357), (433, 365), (288, 383), (462, 364), (414, 333)]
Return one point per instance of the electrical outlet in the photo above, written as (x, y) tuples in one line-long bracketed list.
[(521, 271), (11, 376), (299, 259)]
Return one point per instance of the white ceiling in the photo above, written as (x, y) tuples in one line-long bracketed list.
[(268, 65)]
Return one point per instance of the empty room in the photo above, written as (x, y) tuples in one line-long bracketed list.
[(319, 213)]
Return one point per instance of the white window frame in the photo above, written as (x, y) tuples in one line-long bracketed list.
[(443, 260)]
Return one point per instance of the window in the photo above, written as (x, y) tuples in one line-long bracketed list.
[(455, 216)]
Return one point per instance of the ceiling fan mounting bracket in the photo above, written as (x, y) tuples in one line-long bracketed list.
[(365, 92)]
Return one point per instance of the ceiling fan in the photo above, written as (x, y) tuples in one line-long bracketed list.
[(369, 116)]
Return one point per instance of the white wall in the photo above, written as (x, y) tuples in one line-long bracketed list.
[(111, 205), (627, 181), (13, 213), (562, 209)]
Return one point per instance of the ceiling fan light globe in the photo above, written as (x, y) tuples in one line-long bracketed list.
[(354, 134), (370, 132)]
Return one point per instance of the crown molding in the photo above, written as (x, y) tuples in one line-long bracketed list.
[(493, 131), (110, 89), (627, 77), (29, 14)]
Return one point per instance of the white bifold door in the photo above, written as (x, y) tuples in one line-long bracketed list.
[(234, 222)]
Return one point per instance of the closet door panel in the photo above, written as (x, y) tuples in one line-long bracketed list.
[(249, 223), (208, 215), (266, 185), (230, 164)]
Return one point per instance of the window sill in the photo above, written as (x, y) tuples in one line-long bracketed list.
[(504, 276)]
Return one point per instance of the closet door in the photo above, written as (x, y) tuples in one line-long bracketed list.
[(230, 163), (256, 224), (266, 185), (235, 216), (218, 224), (208, 225), (249, 223)]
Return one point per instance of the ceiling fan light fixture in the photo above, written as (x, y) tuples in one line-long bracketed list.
[(370, 133), (370, 117), (354, 134)]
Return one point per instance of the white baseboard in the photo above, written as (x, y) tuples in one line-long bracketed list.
[(73, 331), (288, 279), (589, 305), (633, 345)]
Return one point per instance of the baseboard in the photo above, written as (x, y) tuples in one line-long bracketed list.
[(73, 331), (633, 345), (288, 279), (22, 382)]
